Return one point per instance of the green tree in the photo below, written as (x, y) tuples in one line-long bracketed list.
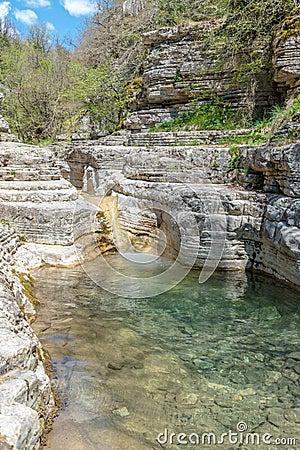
[(99, 93), (35, 75)]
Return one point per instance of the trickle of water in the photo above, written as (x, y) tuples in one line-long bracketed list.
[(199, 358)]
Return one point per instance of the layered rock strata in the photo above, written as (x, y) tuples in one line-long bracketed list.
[(39, 203), (286, 55), (26, 400), (277, 169), (5, 134), (155, 184), (181, 66), (258, 219), (201, 220)]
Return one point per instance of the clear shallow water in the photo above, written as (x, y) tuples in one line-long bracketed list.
[(199, 358)]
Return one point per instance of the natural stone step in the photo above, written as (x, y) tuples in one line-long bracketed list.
[(36, 185), (20, 173), (183, 137), (51, 195)]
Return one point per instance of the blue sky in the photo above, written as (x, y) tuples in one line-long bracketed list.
[(63, 17)]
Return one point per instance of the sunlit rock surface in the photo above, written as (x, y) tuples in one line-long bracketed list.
[(26, 400), (286, 54), (38, 202)]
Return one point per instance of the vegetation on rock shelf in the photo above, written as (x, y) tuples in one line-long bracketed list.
[(217, 116), (210, 115)]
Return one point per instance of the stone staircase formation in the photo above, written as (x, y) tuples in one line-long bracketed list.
[(35, 198)]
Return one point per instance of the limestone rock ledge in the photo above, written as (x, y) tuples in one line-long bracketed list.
[(42, 207), (277, 169), (26, 401), (286, 56)]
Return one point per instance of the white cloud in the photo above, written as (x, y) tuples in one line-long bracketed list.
[(37, 3), (49, 26), (26, 16), (79, 7), (4, 9)]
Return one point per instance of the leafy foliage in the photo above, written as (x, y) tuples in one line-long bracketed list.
[(211, 115), (34, 77), (48, 91)]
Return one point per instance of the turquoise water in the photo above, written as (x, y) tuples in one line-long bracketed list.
[(199, 358)]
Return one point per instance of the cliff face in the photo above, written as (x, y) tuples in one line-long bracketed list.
[(181, 66), (286, 57), (244, 206)]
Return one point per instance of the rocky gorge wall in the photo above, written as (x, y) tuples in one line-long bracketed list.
[(27, 405), (243, 205), (257, 219), (180, 66)]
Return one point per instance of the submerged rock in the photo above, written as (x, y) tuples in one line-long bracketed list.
[(122, 412)]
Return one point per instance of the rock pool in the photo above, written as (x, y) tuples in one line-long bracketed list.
[(198, 359)]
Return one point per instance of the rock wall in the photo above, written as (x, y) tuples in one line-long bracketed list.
[(26, 401), (181, 66), (5, 134), (157, 176), (39, 203), (286, 56), (277, 168), (133, 7)]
